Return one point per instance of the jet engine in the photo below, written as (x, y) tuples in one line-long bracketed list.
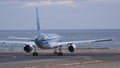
[(28, 48), (71, 47)]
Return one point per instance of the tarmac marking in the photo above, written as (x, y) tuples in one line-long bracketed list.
[(80, 63), (27, 61), (67, 64)]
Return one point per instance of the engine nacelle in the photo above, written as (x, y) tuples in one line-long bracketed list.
[(28, 48), (71, 47)]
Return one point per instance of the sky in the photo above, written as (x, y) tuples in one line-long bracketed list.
[(60, 14)]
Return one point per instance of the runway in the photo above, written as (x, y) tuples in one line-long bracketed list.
[(49, 60)]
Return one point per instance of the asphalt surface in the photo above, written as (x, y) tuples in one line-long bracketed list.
[(47, 60)]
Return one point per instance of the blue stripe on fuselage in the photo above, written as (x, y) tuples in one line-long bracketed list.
[(43, 43)]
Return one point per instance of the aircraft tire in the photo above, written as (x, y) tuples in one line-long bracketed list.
[(55, 53), (35, 54), (60, 54)]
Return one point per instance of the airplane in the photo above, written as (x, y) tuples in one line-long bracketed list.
[(49, 41)]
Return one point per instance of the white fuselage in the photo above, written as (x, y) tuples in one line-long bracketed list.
[(47, 40)]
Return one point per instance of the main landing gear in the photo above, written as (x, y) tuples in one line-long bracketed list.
[(35, 54), (55, 51), (60, 53), (35, 51)]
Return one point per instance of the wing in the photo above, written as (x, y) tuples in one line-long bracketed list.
[(20, 38), (28, 41), (19, 42), (85, 41)]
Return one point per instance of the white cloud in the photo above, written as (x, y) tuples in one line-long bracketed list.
[(103, 0), (51, 3), (54, 2)]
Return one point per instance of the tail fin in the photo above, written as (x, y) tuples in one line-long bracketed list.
[(38, 24)]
